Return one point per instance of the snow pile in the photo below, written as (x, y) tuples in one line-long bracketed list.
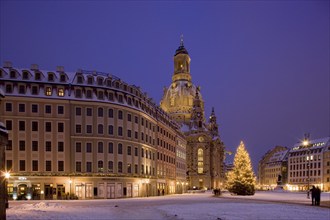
[(40, 205)]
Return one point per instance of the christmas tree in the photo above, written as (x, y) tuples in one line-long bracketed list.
[(241, 180)]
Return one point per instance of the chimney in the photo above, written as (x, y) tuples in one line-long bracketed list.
[(60, 69), (34, 67), (7, 64)]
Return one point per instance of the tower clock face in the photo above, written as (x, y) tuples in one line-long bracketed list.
[(201, 139)]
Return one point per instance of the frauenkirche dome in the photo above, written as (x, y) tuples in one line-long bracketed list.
[(179, 96)]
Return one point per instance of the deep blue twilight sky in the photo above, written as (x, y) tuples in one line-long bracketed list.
[(263, 65)]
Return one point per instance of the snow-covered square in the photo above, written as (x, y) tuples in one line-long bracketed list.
[(263, 205)]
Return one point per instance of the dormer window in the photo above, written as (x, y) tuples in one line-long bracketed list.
[(50, 77), (100, 81), (90, 80), (12, 74), (117, 85), (109, 82), (48, 91), (37, 76), (62, 78), (80, 79), (60, 92), (25, 75)]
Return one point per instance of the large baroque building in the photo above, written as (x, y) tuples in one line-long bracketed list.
[(87, 133), (205, 150), (307, 163), (273, 168)]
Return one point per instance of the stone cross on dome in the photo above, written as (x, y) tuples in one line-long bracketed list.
[(181, 40)]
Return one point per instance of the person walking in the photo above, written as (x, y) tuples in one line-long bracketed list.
[(317, 196), (313, 192)]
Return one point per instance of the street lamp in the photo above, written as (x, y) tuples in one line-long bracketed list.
[(7, 175), (306, 144), (70, 182)]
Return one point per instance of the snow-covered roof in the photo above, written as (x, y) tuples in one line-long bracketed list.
[(68, 81), (313, 144), (278, 156)]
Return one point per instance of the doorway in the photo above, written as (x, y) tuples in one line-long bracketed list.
[(22, 192)]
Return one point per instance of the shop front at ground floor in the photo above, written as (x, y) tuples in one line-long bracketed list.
[(85, 187)]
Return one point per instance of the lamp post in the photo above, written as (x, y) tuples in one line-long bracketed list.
[(7, 175), (70, 182), (306, 144)]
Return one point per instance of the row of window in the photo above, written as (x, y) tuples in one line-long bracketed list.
[(120, 149), (305, 166), (35, 146), (38, 76), (307, 158), (303, 180), (34, 108), (311, 151), (303, 173), (144, 169), (35, 165), (35, 126)]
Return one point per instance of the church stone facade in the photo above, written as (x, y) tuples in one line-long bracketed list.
[(205, 149)]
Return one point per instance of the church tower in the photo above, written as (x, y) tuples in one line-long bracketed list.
[(205, 150), (197, 115), (213, 125), (178, 98)]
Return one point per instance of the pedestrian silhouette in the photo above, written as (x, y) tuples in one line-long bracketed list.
[(313, 192), (317, 196)]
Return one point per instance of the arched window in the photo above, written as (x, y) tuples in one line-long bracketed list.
[(100, 129), (100, 147), (100, 166), (110, 166), (120, 167), (200, 160), (100, 112)]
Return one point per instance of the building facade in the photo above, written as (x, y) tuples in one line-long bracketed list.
[(307, 164), (326, 167), (273, 168), (89, 134), (184, 102), (3, 177)]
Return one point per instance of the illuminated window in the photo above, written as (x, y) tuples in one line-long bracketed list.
[(60, 92), (200, 161), (48, 91), (172, 101)]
